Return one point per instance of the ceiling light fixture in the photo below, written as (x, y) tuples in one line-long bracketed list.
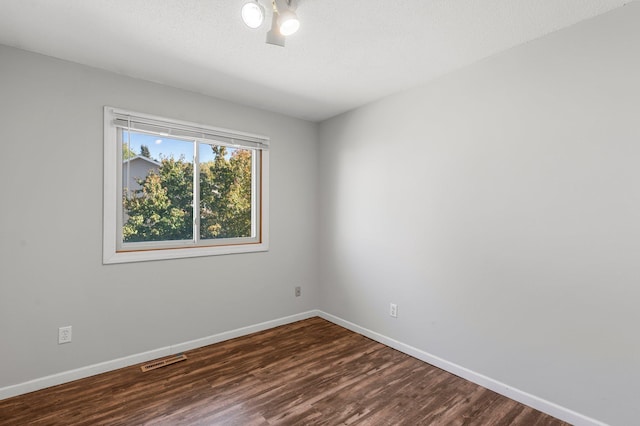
[(274, 36), (284, 20), (252, 14), (288, 22)]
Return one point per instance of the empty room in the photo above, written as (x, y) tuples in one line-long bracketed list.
[(299, 212)]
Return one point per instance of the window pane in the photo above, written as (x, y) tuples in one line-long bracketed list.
[(225, 192), (157, 188)]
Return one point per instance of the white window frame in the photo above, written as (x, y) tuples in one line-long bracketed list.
[(115, 252)]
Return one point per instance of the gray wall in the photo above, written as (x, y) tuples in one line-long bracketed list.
[(499, 207), (51, 134)]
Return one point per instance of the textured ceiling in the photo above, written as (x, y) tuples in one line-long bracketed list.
[(346, 54)]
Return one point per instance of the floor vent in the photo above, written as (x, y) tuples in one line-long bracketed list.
[(162, 362)]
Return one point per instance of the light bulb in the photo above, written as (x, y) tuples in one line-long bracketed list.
[(288, 22), (252, 14)]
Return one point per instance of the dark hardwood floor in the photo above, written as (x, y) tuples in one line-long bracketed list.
[(310, 372)]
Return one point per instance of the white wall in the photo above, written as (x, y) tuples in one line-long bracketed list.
[(499, 207), (51, 275)]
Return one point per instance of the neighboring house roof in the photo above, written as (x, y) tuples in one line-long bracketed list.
[(135, 168), (140, 157)]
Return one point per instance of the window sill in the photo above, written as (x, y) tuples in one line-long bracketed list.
[(166, 254)]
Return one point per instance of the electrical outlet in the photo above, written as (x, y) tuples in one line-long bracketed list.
[(298, 291), (393, 310), (64, 335)]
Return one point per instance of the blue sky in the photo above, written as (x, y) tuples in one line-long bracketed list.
[(166, 147)]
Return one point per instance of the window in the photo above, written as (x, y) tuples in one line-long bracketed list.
[(177, 189)]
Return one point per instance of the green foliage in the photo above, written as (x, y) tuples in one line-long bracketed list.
[(144, 151), (127, 153), (225, 195), (162, 209)]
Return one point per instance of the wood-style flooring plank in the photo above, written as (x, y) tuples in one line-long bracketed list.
[(311, 372)]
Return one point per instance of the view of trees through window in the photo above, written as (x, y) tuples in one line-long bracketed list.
[(158, 190)]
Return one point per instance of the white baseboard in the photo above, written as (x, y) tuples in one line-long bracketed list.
[(103, 367), (533, 401), (525, 398)]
